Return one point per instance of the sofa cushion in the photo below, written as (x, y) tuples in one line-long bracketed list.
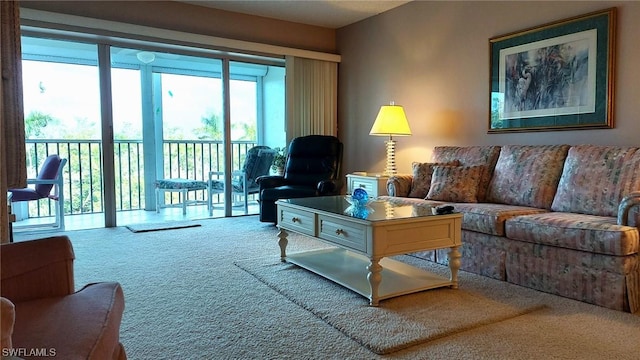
[(596, 234), (177, 184), (527, 175), (84, 325), (455, 183), (421, 181), (490, 218), (479, 217), (401, 201), (470, 156), (596, 178)]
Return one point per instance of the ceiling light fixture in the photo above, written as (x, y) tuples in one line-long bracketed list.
[(146, 57)]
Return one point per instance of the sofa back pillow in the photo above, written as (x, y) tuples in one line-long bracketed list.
[(421, 180), (470, 156), (455, 183), (596, 178), (527, 175)]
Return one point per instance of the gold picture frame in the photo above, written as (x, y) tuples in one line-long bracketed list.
[(558, 76)]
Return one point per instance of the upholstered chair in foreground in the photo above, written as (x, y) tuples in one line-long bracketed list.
[(38, 294), (312, 169)]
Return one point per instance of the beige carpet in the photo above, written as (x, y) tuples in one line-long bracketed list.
[(398, 323), (185, 299)]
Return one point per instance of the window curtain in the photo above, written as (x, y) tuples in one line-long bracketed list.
[(13, 168), (312, 97)]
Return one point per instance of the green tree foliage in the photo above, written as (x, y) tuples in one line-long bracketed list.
[(35, 123), (83, 192), (83, 129), (211, 128), (250, 132)]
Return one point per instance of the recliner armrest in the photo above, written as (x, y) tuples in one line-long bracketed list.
[(329, 187), (628, 202), (270, 181), (37, 269)]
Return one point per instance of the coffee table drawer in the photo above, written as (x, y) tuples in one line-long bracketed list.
[(297, 220), (343, 233)]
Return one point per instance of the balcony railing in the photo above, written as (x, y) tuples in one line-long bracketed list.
[(83, 174)]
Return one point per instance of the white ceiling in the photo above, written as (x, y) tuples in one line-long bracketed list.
[(332, 14)]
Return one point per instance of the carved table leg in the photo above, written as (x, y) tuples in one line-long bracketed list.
[(454, 265), (375, 278), (282, 235)]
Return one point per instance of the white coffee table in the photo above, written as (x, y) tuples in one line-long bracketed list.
[(362, 241)]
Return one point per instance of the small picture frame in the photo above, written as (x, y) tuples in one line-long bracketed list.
[(558, 76)]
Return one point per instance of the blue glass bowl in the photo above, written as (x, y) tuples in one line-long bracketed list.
[(360, 197), (360, 212), (357, 203)]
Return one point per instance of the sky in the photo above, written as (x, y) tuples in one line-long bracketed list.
[(70, 94)]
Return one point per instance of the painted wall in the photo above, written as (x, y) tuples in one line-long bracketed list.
[(432, 57), (178, 16)]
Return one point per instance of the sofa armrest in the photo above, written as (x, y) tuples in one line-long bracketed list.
[(627, 203), (7, 319), (399, 185), (37, 269)]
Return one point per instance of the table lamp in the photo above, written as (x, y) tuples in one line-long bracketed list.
[(391, 120)]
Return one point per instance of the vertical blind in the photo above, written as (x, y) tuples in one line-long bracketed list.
[(312, 89)]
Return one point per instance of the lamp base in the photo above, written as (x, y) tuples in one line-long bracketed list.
[(391, 169)]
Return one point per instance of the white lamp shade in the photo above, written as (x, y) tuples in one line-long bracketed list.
[(391, 120)]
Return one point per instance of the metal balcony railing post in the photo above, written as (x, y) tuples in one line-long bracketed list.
[(83, 188)]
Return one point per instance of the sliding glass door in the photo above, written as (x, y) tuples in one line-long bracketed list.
[(168, 118), (189, 107), (62, 116)]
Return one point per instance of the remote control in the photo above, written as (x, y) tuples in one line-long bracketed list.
[(446, 209)]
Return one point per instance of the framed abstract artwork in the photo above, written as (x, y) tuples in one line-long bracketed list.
[(558, 76)]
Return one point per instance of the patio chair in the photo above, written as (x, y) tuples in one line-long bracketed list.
[(257, 163), (49, 178)]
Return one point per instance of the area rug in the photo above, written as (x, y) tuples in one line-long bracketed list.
[(396, 324), (142, 227)]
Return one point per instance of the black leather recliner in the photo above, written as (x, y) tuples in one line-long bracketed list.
[(312, 168)]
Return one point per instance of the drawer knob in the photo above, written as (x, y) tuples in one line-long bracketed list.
[(339, 231), (295, 219)]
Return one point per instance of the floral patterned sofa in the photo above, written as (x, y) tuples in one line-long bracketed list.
[(556, 218)]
